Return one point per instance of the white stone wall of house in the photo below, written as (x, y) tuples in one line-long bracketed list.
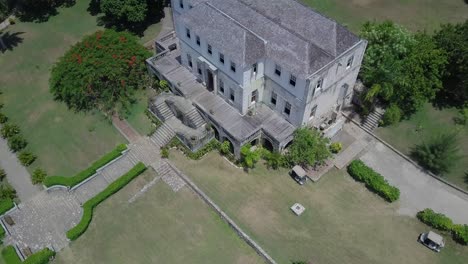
[(333, 92)]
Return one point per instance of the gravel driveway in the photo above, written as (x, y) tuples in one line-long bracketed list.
[(418, 189)]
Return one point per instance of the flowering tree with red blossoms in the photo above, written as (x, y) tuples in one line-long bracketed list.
[(103, 71)]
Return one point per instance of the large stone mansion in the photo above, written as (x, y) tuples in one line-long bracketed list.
[(255, 70)]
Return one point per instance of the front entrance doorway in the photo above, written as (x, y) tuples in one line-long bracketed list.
[(210, 81)]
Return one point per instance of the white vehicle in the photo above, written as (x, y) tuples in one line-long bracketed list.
[(299, 174), (432, 240)]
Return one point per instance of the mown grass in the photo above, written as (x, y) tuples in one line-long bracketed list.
[(160, 226), (413, 14), (343, 222), (64, 141)]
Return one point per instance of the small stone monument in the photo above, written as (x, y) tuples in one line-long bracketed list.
[(298, 208)]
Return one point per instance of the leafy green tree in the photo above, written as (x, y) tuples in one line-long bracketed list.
[(38, 176), (439, 154), (401, 68), (4, 9), (102, 71), (454, 40), (39, 10), (308, 148), (132, 11), (249, 157), (392, 115)]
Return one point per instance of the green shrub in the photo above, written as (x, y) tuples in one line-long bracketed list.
[(38, 176), (225, 147), (40, 257), (7, 192), (88, 172), (9, 130), (210, 146), (275, 160), (373, 181), (17, 143), (442, 222), (5, 205), (392, 115), (439, 155), (436, 220), (249, 157), (2, 174), (9, 255), (462, 117), (460, 234), (26, 158), (89, 206), (2, 234), (164, 152), (3, 118), (335, 147)]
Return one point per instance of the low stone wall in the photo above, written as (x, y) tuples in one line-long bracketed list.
[(225, 217)]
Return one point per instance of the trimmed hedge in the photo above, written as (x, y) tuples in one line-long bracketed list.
[(436, 220), (40, 257), (89, 205), (460, 234), (10, 256), (88, 172), (373, 181), (442, 222), (6, 205)]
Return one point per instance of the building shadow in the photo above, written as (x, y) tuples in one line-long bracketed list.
[(9, 41)]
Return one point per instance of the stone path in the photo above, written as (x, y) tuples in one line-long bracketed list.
[(362, 140), (44, 220), (17, 174), (125, 129)]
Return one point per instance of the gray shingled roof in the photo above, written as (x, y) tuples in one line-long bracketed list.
[(285, 31)]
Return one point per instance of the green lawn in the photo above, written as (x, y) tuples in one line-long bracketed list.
[(413, 14), (426, 123), (161, 226), (343, 221), (65, 142)]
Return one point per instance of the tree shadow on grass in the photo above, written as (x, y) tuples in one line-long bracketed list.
[(10, 41), (155, 14), (40, 11)]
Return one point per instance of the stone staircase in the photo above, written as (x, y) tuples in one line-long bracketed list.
[(162, 136), (195, 119), (372, 120), (163, 111)]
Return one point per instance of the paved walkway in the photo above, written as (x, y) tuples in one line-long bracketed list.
[(126, 129), (418, 189), (17, 174), (43, 220)]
